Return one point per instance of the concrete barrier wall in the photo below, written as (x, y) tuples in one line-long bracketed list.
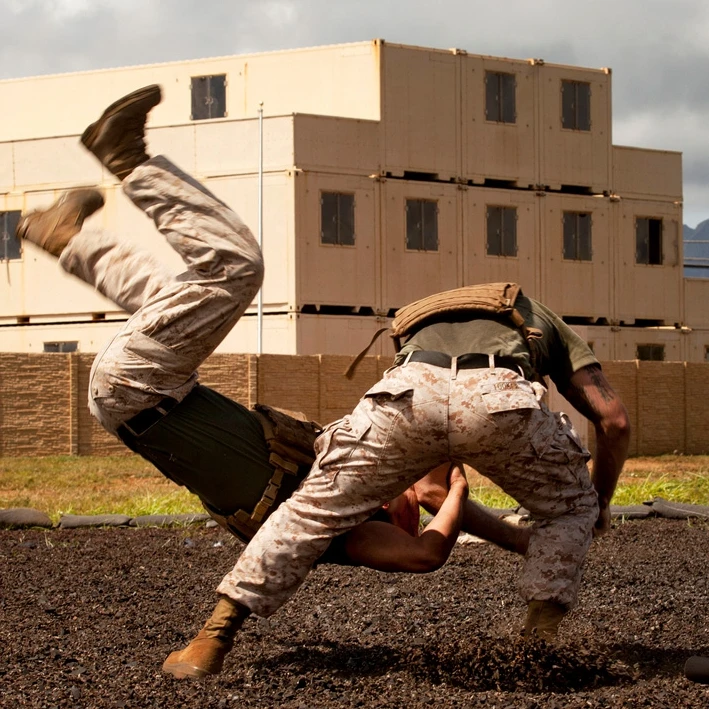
[(43, 397)]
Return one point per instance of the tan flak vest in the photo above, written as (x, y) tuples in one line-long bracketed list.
[(290, 439), (484, 298)]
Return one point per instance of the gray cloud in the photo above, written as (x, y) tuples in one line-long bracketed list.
[(658, 50)]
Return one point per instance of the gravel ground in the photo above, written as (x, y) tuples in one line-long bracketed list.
[(89, 615)]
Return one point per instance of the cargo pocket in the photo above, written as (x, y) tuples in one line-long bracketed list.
[(338, 441), (509, 395), (390, 390), (166, 369), (562, 447)]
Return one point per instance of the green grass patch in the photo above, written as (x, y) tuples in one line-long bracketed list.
[(692, 490), (89, 485), (492, 497), (129, 485)]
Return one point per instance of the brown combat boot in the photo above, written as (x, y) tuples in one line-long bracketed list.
[(205, 654), (54, 227), (117, 139), (543, 618)]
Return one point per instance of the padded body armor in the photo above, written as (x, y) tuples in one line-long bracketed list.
[(290, 438)]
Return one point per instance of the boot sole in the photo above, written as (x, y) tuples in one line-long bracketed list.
[(183, 670), (149, 95)]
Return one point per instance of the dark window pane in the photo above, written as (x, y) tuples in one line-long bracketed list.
[(654, 241), (509, 231), (61, 346), (347, 219), (583, 106), (652, 353), (328, 218), (217, 96), (208, 97), (585, 248), (577, 236), (10, 247), (507, 91), (492, 96), (414, 224), (422, 224), (570, 236), (430, 226), (576, 105), (200, 95), (642, 251), (494, 231), (500, 97), (337, 219), (568, 104)]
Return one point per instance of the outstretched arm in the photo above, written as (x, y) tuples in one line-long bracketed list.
[(386, 547), (591, 394), (431, 492)]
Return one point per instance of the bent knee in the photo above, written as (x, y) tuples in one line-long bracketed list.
[(257, 267), (246, 278)]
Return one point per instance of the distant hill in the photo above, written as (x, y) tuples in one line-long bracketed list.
[(696, 253), (699, 233)]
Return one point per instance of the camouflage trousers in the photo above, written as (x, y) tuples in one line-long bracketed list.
[(177, 320), (415, 418)]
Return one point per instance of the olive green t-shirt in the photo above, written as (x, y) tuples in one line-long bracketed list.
[(560, 351)]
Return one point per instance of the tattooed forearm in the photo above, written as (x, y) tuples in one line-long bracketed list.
[(599, 381), (590, 393)]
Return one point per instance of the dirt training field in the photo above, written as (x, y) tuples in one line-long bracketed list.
[(89, 615)]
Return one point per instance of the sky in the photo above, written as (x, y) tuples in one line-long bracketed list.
[(658, 49)]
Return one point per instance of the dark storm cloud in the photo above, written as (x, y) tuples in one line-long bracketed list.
[(658, 50)]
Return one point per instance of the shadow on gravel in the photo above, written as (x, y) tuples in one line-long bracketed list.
[(344, 659), (649, 662), (492, 664)]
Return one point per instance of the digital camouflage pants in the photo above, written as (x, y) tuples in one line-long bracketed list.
[(415, 418), (177, 320)]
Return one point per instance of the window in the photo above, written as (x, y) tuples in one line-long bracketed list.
[(61, 346), (575, 105), (422, 224), (502, 231), (500, 97), (337, 224), (577, 236), (10, 247), (208, 97), (648, 241), (654, 353)]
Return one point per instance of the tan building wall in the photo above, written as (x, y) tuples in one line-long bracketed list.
[(577, 288), (43, 407), (696, 300), (573, 157), (408, 274), (642, 174), (478, 266), (346, 77), (386, 123), (495, 150), (649, 292)]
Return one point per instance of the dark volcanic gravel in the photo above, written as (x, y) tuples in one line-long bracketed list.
[(88, 616)]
